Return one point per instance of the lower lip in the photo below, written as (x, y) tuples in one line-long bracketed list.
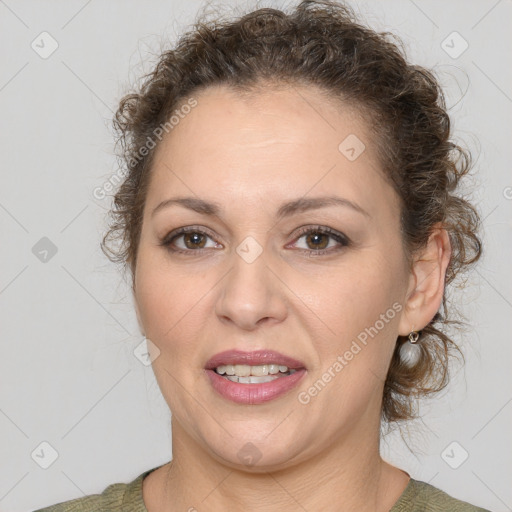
[(254, 393)]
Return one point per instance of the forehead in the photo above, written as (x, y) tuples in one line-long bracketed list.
[(270, 143), (298, 114)]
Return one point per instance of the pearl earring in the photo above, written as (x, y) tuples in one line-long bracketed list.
[(410, 351)]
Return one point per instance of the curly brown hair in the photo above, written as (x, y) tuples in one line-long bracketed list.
[(319, 43)]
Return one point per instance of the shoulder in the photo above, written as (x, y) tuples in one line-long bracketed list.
[(117, 497), (423, 497)]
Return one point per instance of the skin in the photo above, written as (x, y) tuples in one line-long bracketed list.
[(250, 157)]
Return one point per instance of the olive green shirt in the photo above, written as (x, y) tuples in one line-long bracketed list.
[(417, 497)]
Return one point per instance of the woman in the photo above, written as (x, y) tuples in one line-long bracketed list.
[(290, 220)]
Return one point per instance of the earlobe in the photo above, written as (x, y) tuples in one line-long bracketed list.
[(427, 282)]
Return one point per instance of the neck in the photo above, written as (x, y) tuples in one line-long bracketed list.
[(348, 475)]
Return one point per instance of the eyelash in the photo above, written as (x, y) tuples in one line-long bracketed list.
[(338, 237)]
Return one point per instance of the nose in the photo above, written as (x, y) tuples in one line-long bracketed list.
[(252, 294)]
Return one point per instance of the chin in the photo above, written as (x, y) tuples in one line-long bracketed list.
[(259, 453)]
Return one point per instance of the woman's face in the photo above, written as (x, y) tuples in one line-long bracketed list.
[(249, 279)]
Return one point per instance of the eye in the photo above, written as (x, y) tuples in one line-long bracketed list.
[(192, 240), (317, 239)]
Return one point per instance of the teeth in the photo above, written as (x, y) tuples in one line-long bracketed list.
[(252, 379), (260, 370), (274, 368), (244, 370)]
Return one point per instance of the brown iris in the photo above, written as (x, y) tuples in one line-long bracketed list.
[(315, 235), (194, 238)]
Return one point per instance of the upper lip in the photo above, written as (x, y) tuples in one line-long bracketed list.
[(257, 357)]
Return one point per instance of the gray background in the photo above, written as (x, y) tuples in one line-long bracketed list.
[(68, 373)]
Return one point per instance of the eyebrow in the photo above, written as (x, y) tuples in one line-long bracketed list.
[(285, 210)]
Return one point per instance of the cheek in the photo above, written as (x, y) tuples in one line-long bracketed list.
[(173, 315), (353, 331), (359, 301), (172, 304), (154, 297)]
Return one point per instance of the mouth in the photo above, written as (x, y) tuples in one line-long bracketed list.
[(253, 377)]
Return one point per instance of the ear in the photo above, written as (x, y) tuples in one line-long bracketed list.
[(426, 282)]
